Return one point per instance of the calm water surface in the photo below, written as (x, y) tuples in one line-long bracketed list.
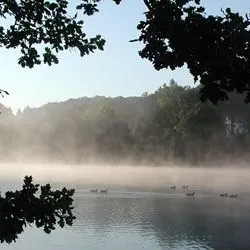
[(147, 215), (148, 220)]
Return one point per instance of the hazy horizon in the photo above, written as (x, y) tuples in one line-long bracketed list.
[(221, 179)]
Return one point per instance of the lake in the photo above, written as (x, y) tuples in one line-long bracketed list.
[(150, 218)]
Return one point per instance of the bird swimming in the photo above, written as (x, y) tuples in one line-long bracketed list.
[(223, 194), (104, 191), (190, 194)]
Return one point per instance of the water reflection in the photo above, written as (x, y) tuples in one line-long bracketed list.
[(148, 221), (206, 222)]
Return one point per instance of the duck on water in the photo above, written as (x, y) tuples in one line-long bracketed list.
[(233, 196), (190, 194), (104, 191), (229, 195), (223, 194)]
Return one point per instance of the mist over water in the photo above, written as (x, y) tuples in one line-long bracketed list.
[(145, 178), (140, 211)]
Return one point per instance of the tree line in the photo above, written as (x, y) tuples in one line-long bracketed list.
[(170, 125), (216, 51)]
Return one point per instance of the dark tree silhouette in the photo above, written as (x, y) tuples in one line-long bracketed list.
[(19, 208), (216, 49), (47, 25)]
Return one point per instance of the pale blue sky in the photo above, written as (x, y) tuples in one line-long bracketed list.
[(118, 71)]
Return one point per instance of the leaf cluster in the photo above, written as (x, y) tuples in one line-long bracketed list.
[(23, 207), (216, 49), (41, 29)]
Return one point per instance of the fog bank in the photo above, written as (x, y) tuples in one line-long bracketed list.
[(84, 176)]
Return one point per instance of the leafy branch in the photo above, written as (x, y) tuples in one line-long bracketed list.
[(24, 207)]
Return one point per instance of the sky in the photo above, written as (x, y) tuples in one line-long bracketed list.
[(117, 71)]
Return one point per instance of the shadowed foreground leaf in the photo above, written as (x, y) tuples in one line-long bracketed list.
[(46, 209)]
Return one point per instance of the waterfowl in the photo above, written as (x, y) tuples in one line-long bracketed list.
[(173, 187), (190, 194), (233, 195), (223, 194), (104, 191), (94, 191)]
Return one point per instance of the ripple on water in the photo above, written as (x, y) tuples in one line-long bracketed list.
[(148, 221)]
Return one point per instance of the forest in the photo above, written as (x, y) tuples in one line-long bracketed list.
[(170, 125)]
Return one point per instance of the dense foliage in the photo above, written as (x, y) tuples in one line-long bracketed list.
[(25, 206), (216, 49), (40, 29), (169, 125), (174, 33)]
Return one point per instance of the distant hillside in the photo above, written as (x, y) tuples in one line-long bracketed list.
[(169, 125)]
